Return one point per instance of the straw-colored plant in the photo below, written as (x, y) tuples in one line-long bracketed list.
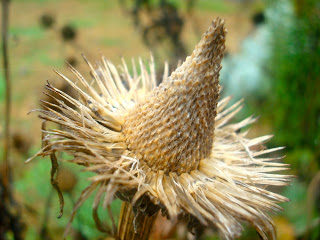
[(168, 148)]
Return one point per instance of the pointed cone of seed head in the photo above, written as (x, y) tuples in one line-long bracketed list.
[(174, 128), (170, 147)]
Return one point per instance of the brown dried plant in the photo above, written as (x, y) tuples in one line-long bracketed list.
[(171, 147)]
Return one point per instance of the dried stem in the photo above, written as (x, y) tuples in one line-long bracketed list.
[(134, 226), (6, 152)]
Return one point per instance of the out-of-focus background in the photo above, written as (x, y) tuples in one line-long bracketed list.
[(272, 60)]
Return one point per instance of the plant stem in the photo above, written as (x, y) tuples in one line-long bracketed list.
[(6, 152), (134, 226)]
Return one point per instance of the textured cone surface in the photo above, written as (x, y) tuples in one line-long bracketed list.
[(173, 129)]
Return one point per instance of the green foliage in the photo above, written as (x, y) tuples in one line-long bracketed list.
[(303, 161), (203, 5), (294, 109), (38, 1), (295, 75), (111, 41), (2, 86), (30, 32), (218, 6), (84, 22), (296, 209)]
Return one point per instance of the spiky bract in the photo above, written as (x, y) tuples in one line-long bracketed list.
[(173, 144)]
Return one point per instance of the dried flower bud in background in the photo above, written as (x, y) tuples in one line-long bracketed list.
[(47, 21), (68, 33)]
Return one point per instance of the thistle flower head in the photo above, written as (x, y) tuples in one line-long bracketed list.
[(171, 145)]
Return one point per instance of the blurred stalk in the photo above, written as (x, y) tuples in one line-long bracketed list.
[(313, 187), (10, 210), (6, 152)]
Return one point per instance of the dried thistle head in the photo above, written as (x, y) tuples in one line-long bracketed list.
[(171, 145)]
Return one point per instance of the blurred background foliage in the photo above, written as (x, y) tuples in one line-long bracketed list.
[(272, 61)]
